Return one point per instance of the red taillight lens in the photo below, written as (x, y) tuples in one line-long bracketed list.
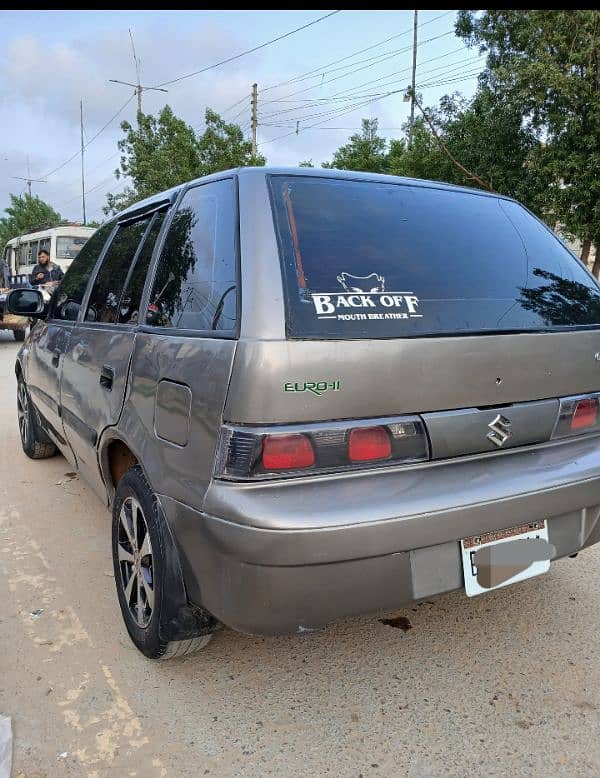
[(287, 452), (367, 444), (253, 453), (586, 414), (578, 416)]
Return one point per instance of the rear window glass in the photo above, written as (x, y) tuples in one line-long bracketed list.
[(366, 259)]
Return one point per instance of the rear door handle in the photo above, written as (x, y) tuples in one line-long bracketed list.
[(107, 376), (55, 358)]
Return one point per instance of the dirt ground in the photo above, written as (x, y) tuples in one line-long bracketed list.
[(506, 683)]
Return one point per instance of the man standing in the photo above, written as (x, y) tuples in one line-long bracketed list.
[(45, 272)]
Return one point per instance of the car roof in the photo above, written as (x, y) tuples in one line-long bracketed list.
[(358, 175), (170, 195)]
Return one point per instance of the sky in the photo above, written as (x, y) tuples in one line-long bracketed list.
[(320, 81)]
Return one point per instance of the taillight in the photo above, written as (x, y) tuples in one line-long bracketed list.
[(369, 444), (578, 416), (586, 415), (252, 453), (287, 452)]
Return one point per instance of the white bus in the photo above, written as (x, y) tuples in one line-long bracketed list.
[(64, 244)]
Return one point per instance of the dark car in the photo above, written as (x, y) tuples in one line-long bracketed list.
[(307, 394)]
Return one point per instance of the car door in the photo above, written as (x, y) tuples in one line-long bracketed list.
[(97, 361), (50, 339), (184, 351)]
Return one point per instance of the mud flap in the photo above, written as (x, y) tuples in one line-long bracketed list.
[(181, 620)]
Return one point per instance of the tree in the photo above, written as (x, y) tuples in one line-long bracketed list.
[(26, 214), (164, 151), (548, 64), (487, 136), (222, 146), (364, 151), (423, 159)]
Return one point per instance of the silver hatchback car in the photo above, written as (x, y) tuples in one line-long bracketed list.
[(308, 394)]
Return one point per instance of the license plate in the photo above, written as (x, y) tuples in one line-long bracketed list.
[(496, 559)]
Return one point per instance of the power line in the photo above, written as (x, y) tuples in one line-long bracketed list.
[(337, 113), (343, 95), (320, 69), (100, 131), (406, 70), (448, 67), (248, 51), (365, 67)]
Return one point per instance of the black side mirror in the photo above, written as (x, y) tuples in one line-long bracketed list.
[(26, 302)]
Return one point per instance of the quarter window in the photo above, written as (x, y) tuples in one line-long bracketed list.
[(196, 282)]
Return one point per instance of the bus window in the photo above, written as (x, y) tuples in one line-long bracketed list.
[(69, 247), (24, 251)]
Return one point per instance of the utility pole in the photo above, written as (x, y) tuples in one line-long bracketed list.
[(138, 88), (82, 160), (254, 120), (29, 180), (414, 75)]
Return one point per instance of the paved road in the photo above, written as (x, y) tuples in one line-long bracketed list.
[(508, 683)]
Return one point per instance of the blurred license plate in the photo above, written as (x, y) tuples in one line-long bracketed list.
[(486, 566)]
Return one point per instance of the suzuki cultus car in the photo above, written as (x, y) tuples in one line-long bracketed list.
[(307, 394)]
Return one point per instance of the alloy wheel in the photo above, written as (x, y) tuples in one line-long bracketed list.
[(135, 562), (23, 411)]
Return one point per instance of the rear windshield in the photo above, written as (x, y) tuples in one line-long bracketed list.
[(365, 259)]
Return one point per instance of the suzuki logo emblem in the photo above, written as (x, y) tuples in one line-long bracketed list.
[(500, 430)]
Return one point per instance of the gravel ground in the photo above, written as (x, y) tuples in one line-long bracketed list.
[(506, 683)]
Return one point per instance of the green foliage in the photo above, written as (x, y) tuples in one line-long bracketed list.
[(424, 158), (548, 64), (465, 128), (26, 214), (222, 146), (306, 163), (364, 151), (165, 151)]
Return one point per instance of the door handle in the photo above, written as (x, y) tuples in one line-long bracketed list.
[(55, 358), (107, 376)]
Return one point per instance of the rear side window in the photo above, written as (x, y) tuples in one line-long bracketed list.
[(69, 295), (366, 259), (106, 293), (196, 281), (129, 307)]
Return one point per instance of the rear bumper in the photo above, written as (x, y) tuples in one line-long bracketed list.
[(287, 557)]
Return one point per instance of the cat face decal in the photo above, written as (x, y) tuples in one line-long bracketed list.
[(372, 283)]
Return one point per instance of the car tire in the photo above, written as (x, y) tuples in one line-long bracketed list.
[(34, 440), (144, 577), (19, 335)]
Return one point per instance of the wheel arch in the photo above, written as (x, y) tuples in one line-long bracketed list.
[(115, 458)]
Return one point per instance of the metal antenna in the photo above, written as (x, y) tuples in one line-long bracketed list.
[(29, 179), (137, 86)]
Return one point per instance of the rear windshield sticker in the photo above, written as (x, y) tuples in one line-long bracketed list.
[(373, 283), (365, 299)]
